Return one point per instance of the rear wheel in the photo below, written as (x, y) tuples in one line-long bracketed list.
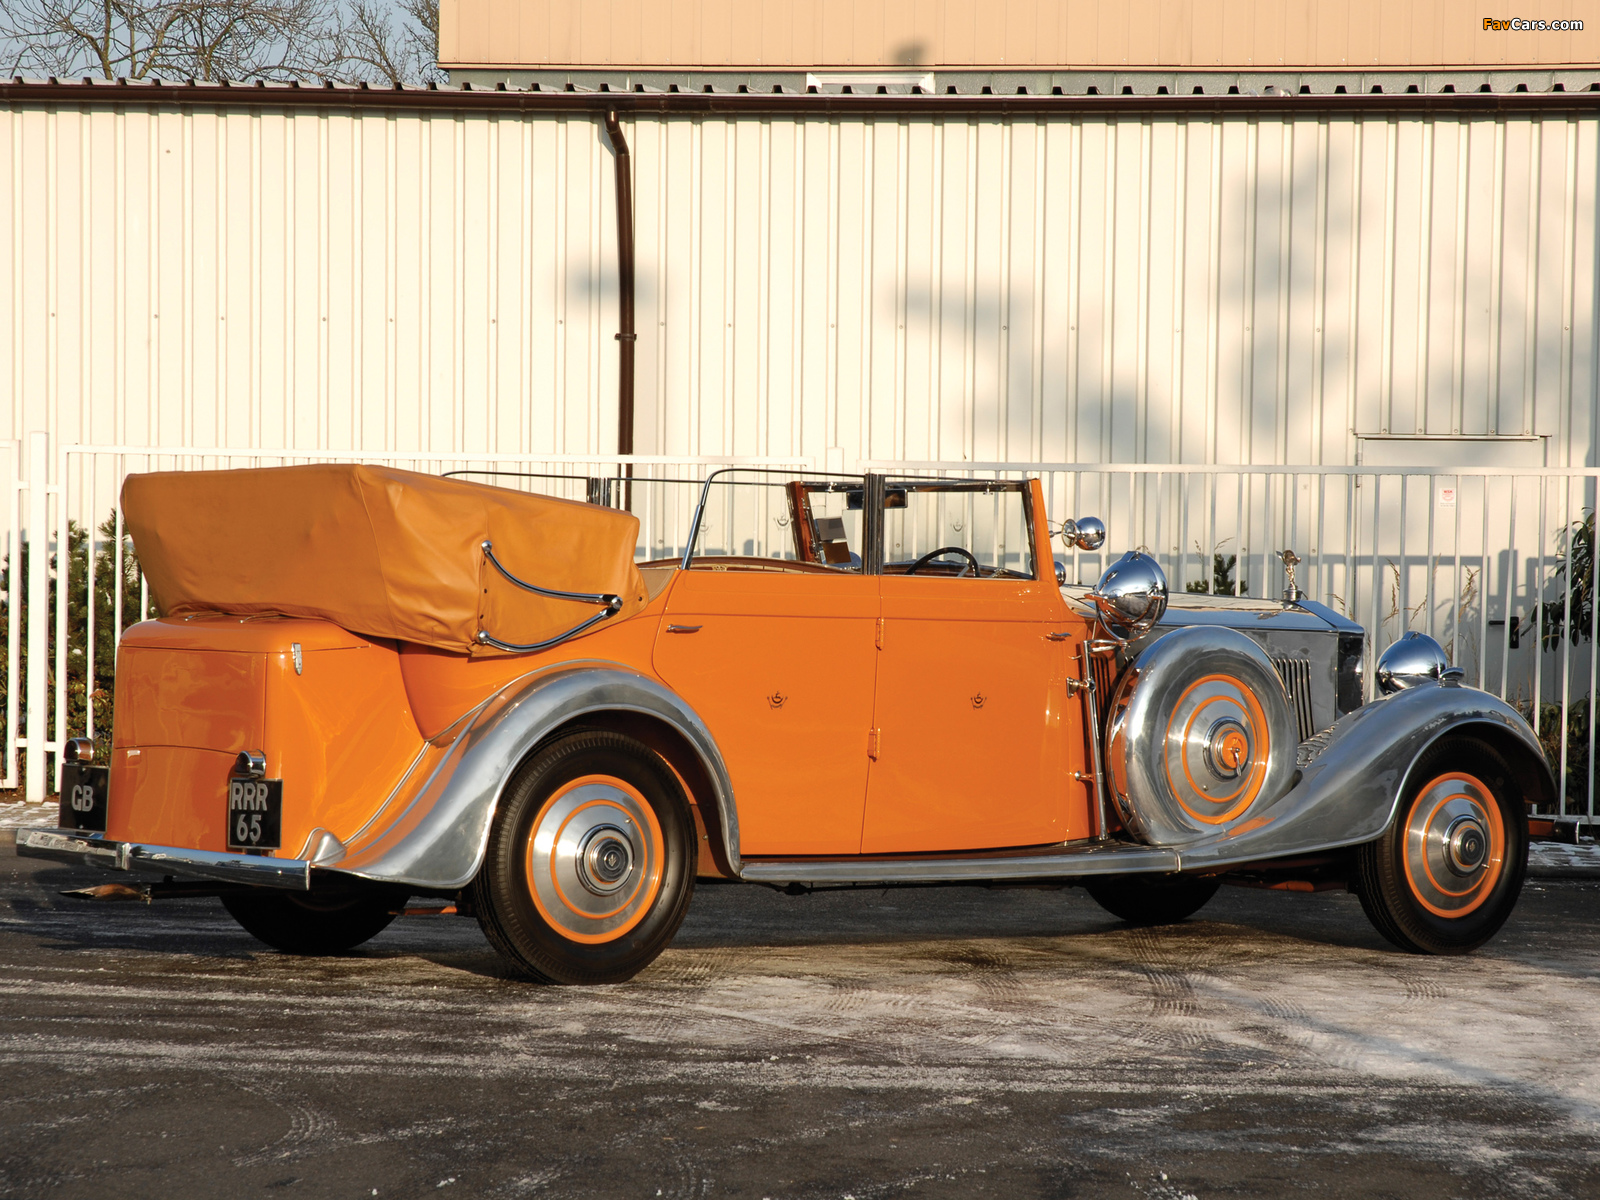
[(312, 924), (1447, 872), (1152, 899), (590, 863)]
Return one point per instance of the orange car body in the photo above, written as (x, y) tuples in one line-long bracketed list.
[(856, 714), (371, 684)]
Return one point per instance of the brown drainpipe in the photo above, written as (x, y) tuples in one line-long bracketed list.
[(627, 337)]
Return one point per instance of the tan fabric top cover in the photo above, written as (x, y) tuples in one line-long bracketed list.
[(381, 552)]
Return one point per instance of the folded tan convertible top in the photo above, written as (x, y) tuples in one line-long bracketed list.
[(381, 552)]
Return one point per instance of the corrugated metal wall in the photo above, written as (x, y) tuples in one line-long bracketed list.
[(1256, 289)]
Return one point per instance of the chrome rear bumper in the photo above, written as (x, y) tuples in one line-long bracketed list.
[(76, 846)]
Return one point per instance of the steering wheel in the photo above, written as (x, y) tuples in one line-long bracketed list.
[(941, 551)]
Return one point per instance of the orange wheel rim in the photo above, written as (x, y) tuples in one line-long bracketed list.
[(1453, 845), (594, 858)]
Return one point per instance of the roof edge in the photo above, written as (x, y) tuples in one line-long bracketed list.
[(503, 100)]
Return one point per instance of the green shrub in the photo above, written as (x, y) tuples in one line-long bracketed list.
[(1221, 582), (1576, 784)]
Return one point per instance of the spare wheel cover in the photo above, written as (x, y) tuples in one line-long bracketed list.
[(1199, 736)]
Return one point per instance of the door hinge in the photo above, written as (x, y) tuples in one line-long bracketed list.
[(872, 744), (878, 636)]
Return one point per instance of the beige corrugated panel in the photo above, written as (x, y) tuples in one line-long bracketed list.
[(800, 34), (1251, 289)]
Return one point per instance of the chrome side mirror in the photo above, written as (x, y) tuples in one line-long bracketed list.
[(1086, 533), (1132, 595), (1414, 660)]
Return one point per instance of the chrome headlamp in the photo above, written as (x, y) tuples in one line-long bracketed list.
[(1131, 595), (1414, 660)]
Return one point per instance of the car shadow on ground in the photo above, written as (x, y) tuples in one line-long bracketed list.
[(923, 922)]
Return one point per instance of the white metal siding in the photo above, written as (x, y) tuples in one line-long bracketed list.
[(1234, 290)]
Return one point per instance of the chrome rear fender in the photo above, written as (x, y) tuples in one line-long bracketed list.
[(433, 832), (1353, 774)]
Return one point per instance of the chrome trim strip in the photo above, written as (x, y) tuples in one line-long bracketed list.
[(75, 846), (439, 834), (1063, 862)]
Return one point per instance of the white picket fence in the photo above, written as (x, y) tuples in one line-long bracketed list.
[(1475, 557)]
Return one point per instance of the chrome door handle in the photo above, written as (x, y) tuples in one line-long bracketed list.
[(684, 628), (1058, 637)]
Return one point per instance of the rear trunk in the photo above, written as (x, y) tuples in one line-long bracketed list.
[(326, 707)]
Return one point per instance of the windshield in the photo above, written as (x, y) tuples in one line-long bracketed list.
[(981, 527), (863, 524)]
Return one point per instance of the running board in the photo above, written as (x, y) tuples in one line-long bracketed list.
[(1060, 862)]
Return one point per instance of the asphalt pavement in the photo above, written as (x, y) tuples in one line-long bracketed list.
[(929, 1043)]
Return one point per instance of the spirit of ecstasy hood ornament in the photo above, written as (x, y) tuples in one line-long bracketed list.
[(1291, 592)]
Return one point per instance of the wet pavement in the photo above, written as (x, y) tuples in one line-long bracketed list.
[(951, 1042)]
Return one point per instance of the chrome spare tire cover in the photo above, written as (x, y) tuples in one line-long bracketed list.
[(1199, 736)]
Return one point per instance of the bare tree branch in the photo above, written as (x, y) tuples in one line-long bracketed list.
[(390, 44), (392, 41)]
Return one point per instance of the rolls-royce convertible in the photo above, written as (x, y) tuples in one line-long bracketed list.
[(369, 686)]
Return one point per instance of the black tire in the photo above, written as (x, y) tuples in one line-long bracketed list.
[(1401, 892), (312, 924), (603, 893), (1152, 899)]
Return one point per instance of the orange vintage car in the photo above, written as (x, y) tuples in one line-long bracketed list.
[(370, 685)]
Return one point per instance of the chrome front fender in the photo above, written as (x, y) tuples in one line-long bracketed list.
[(1353, 774), (432, 833)]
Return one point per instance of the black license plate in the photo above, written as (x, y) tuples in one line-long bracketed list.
[(85, 792), (255, 813)]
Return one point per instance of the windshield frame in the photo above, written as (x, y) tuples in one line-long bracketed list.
[(874, 489)]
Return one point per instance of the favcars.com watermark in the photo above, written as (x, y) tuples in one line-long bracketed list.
[(1522, 25)]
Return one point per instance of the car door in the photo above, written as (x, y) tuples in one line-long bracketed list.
[(976, 738), (781, 668), (779, 659)]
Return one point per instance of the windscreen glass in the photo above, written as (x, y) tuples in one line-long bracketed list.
[(981, 528)]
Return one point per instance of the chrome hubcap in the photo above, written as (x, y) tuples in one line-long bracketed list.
[(1454, 845), (605, 859), (1466, 845), (1216, 749), (1227, 748), (594, 859)]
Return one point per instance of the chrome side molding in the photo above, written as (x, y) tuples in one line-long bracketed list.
[(1058, 862)]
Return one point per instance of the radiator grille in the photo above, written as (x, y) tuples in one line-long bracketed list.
[(1296, 676)]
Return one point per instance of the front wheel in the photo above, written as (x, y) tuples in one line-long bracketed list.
[(1447, 872), (590, 862), (1152, 899)]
